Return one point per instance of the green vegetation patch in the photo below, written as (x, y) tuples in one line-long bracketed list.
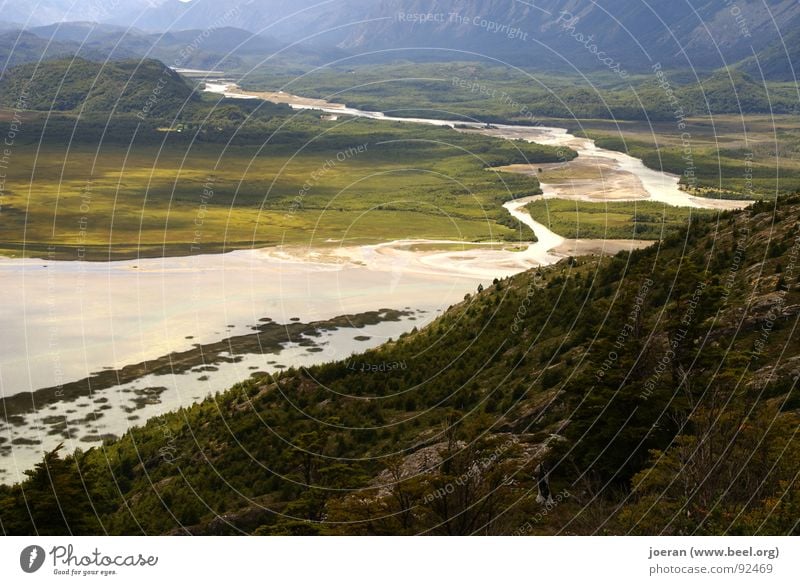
[(145, 86), (642, 220), (496, 93), (308, 182)]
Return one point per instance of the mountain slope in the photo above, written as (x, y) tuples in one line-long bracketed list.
[(548, 34), (44, 12), (18, 47), (123, 86), (666, 375), (217, 46), (779, 61), (706, 35)]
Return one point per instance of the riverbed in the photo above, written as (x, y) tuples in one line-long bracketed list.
[(65, 321)]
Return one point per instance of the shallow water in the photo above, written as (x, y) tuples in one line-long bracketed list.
[(63, 321), (85, 422)]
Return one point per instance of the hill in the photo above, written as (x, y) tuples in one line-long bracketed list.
[(666, 375), (124, 86)]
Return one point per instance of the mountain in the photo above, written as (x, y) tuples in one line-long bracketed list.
[(658, 388), (17, 47), (549, 34), (554, 33), (44, 12), (779, 61), (210, 41), (81, 31), (5, 25), (212, 48), (708, 34)]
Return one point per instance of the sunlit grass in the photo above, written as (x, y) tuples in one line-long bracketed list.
[(147, 201), (642, 220)]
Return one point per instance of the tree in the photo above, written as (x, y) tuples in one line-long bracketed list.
[(53, 500), (734, 472)]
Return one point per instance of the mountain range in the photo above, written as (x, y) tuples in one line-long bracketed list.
[(568, 34), (220, 47)]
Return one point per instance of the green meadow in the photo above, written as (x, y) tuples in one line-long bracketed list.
[(735, 138), (728, 156), (642, 220), (313, 182)]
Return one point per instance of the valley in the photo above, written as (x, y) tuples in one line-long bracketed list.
[(297, 270), (363, 269)]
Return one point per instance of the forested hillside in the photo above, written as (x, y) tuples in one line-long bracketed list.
[(146, 86), (659, 388)]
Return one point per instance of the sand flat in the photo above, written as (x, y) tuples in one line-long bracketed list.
[(276, 97)]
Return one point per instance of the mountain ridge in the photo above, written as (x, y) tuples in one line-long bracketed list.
[(710, 35)]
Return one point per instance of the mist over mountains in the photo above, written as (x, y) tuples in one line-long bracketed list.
[(547, 33)]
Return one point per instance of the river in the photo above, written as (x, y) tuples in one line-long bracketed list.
[(64, 321)]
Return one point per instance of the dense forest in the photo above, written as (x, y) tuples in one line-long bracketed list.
[(78, 84), (656, 390)]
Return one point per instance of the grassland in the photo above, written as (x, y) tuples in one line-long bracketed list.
[(721, 152), (738, 157), (347, 182), (244, 174), (642, 220), (493, 92)]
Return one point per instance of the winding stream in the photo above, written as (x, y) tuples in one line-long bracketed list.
[(63, 321)]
